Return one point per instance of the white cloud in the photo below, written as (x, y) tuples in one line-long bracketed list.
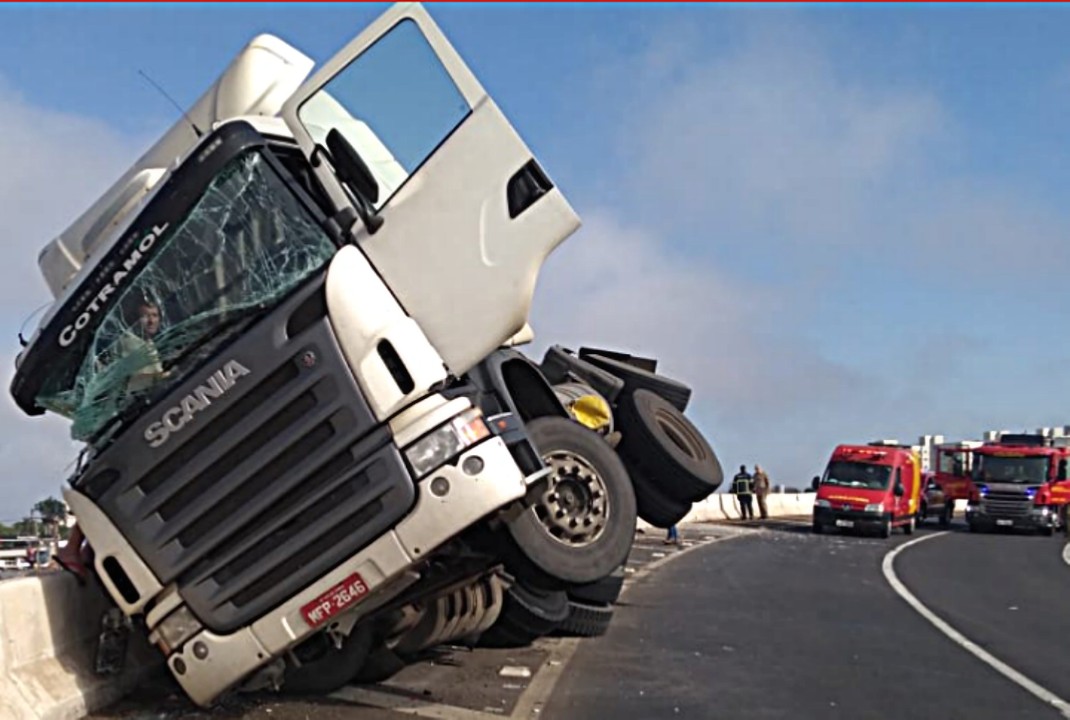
[(752, 177), (55, 165)]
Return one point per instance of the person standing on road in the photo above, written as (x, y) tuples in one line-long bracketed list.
[(672, 537), (742, 488), (761, 490)]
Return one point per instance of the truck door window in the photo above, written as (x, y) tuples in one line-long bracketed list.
[(395, 104), (243, 246)]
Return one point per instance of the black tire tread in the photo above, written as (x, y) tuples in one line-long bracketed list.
[(653, 506), (586, 620), (679, 476), (602, 592)]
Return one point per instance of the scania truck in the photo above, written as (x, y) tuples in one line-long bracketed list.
[(1019, 481), (279, 337)]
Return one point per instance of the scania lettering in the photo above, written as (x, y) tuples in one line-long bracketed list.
[(176, 418), (336, 463)]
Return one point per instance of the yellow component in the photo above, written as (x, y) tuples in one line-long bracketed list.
[(591, 411), (853, 498)]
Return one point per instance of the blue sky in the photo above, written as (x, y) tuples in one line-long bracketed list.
[(837, 223)]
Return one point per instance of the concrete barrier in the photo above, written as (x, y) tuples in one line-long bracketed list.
[(48, 633), (724, 506)]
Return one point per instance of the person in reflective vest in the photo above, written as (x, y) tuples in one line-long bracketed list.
[(743, 489)]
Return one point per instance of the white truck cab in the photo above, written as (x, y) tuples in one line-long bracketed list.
[(253, 333)]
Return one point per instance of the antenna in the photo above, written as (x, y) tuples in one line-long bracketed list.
[(22, 340), (177, 106)]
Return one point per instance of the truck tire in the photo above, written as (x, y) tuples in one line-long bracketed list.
[(582, 527), (946, 514), (660, 441), (527, 614), (586, 620), (886, 529), (636, 378), (602, 592), (382, 664), (908, 529), (817, 528), (324, 667), (654, 507)]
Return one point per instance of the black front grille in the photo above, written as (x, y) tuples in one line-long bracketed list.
[(1007, 503), (268, 489)]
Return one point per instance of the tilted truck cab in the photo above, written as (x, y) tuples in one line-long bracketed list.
[(869, 487), (260, 344)]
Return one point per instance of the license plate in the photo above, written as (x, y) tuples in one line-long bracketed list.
[(336, 600), (1004, 523), (845, 523)]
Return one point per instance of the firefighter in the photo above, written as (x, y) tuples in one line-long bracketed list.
[(743, 488)]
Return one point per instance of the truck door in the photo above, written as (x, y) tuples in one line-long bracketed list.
[(467, 215)]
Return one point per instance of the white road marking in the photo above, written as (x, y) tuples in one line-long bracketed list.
[(1039, 691), (1066, 553)]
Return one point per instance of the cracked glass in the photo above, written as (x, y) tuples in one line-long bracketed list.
[(246, 244)]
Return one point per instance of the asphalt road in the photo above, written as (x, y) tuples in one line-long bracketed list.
[(790, 625), (749, 623)]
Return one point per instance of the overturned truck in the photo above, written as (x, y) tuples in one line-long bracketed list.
[(287, 337)]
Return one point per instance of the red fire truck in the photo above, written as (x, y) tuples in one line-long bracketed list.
[(952, 464), (1019, 481)]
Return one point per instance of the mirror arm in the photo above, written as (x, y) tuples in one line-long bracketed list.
[(370, 220)]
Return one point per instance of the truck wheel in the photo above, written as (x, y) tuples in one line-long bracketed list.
[(527, 614), (908, 529), (660, 441), (602, 592), (324, 666), (817, 528), (886, 529), (636, 378), (582, 527), (586, 620), (654, 507)]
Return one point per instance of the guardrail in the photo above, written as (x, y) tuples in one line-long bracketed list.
[(48, 635)]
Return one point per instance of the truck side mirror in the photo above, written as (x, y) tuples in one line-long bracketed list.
[(898, 490), (354, 173)]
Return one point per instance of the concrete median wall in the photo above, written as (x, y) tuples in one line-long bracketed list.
[(48, 633), (724, 506)]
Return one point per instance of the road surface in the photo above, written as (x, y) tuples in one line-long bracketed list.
[(752, 623)]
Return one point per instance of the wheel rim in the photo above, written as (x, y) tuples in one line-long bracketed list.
[(574, 510)]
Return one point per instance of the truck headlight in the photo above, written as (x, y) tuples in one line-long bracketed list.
[(874, 508), (822, 503), (445, 442)]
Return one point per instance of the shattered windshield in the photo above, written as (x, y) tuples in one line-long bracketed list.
[(995, 468), (857, 475), (243, 246)]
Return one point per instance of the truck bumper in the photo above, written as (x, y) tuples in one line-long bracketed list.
[(207, 663), (1043, 518), (850, 519)]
